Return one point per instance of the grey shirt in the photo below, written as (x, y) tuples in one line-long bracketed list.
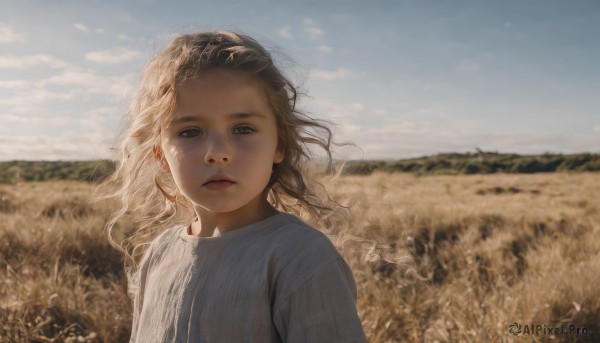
[(277, 280)]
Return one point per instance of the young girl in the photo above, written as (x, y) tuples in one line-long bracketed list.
[(215, 134)]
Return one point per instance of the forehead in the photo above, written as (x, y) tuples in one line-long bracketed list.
[(221, 90)]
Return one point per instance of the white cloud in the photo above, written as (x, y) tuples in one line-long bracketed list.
[(597, 128), (15, 84), (100, 30), (112, 56), (308, 21), (30, 121), (324, 48), (412, 139), (122, 37), (336, 111), (82, 27), (34, 96), (93, 83), (330, 75), (382, 133), (357, 107), (285, 32), (28, 101), (311, 28), (43, 96), (65, 147), (313, 32), (8, 35), (99, 117), (20, 62)]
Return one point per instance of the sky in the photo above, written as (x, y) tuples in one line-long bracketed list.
[(398, 79)]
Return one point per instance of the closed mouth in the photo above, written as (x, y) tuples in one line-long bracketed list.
[(218, 177), (211, 181)]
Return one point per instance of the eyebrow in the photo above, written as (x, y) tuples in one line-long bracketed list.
[(233, 116)]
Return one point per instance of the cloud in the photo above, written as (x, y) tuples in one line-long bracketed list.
[(311, 28), (21, 62), (308, 21), (28, 101), (30, 121), (508, 24), (330, 75), (92, 82), (33, 96), (413, 138), (65, 147), (313, 32), (112, 56), (357, 107), (99, 119), (15, 84), (8, 35), (82, 27), (285, 32), (99, 30), (87, 135), (335, 110), (597, 128), (122, 37), (382, 133), (324, 48)]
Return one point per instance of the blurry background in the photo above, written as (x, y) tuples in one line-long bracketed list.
[(400, 78), (437, 256)]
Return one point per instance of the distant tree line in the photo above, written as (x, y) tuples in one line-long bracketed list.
[(90, 171), (480, 163), (449, 164)]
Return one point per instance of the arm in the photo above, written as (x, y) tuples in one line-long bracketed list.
[(136, 286), (138, 299), (323, 309)]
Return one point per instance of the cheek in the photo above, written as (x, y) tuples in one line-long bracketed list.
[(182, 163), (259, 151)]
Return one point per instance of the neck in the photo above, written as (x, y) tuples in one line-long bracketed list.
[(208, 222)]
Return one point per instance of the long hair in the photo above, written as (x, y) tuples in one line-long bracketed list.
[(148, 200)]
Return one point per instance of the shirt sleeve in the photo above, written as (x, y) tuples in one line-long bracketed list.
[(323, 309), (136, 290)]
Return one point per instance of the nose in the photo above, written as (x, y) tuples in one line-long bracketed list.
[(218, 150)]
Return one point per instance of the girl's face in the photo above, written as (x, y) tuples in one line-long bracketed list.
[(222, 142)]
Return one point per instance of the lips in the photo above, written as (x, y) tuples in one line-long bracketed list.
[(218, 182), (218, 178)]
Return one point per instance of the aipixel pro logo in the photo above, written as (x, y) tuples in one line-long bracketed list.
[(539, 329), (515, 328)]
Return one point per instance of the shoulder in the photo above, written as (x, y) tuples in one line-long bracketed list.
[(157, 247), (315, 292), (300, 252), (300, 240), (166, 238), (299, 231)]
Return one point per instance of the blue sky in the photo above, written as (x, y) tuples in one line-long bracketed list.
[(399, 78)]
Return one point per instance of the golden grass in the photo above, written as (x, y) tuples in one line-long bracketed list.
[(446, 259)]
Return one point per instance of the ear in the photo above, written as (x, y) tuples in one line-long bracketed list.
[(279, 155), (160, 159)]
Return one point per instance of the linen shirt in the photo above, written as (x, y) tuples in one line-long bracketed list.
[(276, 280)]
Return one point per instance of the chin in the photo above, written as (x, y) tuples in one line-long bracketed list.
[(216, 208)]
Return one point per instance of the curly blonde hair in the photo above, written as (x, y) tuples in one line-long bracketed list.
[(148, 199)]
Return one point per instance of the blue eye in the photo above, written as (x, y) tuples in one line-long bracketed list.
[(243, 130), (189, 133)]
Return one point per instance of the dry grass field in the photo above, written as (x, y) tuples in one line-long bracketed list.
[(441, 259)]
